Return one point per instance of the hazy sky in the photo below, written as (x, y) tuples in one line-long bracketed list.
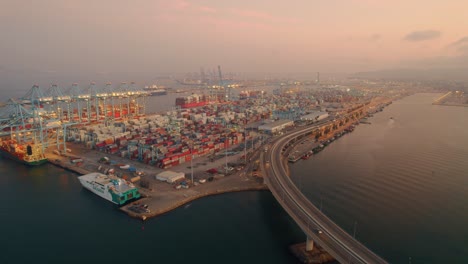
[(102, 36)]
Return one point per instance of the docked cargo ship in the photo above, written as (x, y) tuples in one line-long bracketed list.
[(30, 154), (154, 90), (195, 100), (111, 188)]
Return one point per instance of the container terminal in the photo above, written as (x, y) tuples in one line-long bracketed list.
[(108, 129), (114, 121), (179, 155)]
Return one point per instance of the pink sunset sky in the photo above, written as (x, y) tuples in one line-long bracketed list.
[(241, 35)]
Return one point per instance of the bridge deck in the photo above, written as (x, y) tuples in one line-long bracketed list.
[(335, 240)]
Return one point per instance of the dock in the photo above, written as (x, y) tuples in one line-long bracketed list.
[(302, 149), (309, 146), (161, 197)]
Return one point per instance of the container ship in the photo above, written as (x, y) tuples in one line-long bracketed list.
[(195, 100), (111, 188), (154, 90), (30, 154)]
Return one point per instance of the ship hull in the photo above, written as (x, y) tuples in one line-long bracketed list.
[(7, 154), (105, 189), (195, 100), (191, 105), (106, 195), (157, 93)]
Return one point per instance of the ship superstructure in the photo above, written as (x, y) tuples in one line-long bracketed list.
[(155, 90), (111, 188)]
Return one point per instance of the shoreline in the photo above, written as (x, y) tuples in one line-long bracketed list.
[(161, 197), (442, 101), (451, 104), (183, 202), (164, 201)]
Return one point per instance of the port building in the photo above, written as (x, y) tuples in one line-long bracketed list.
[(276, 126), (170, 176), (314, 116)]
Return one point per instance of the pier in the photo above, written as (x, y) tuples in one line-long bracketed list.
[(441, 99), (161, 197)]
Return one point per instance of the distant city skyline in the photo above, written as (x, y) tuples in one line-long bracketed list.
[(54, 39)]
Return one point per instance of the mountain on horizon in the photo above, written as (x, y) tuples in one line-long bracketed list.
[(407, 74)]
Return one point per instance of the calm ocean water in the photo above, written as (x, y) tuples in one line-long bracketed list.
[(48, 217), (403, 181)]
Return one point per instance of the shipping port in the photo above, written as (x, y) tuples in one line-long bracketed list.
[(148, 164), (207, 143), (109, 119)]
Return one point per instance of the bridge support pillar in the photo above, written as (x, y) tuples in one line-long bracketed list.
[(309, 244)]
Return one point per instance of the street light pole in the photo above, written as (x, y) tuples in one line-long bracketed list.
[(191, 160), (225, 148), (300, 182), (252, 144), (354, 234), (245, 147)]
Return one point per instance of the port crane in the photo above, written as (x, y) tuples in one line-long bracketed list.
[(51, 117), (227, 89)]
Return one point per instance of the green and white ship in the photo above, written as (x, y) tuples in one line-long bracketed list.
[(111, 188)]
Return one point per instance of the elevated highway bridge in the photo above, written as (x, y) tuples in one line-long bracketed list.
[(317, 226)]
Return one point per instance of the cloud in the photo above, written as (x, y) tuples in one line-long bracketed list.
[(422, 35), (461, 41), (460, 45)]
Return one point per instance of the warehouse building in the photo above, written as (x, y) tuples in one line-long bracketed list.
[(315, 116), (170, 176), (276, 126)]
